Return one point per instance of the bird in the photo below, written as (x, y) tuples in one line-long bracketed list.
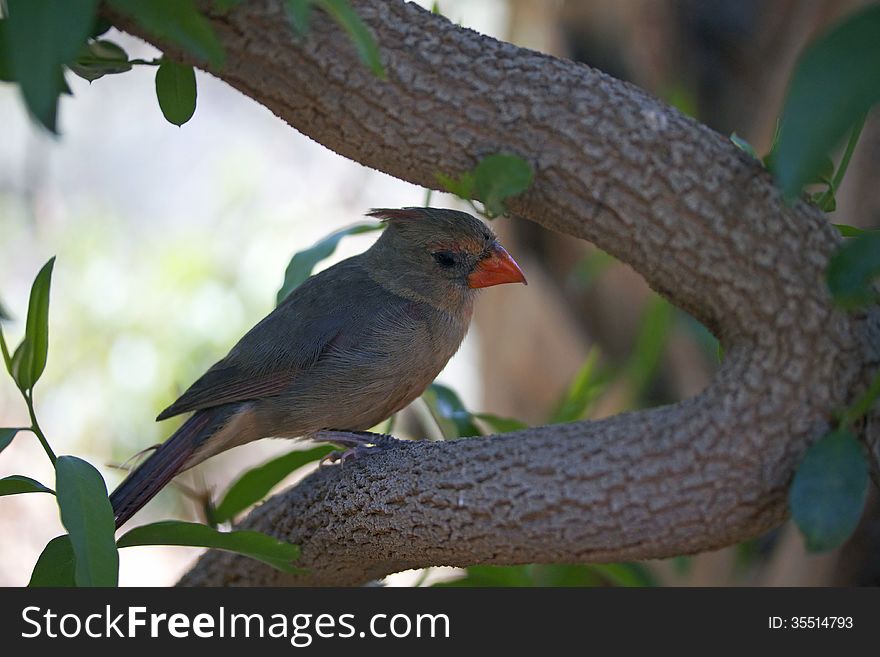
[(348, 348)]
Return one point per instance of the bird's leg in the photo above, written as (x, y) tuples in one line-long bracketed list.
[(357, 443)]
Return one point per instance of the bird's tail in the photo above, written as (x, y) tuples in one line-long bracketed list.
[(145, 481)]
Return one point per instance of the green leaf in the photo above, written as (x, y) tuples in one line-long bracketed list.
[(454, 420), (255, 545), (360, 34), (850, 231), (828, 491), (178, 21), (88, 517), (6, 436), (4, 314), (15, 364), (586, 387), (254, 484), (835, 83), (302, 263), (743, 145), (500, 424), (176, 91), (852, 270), (29, 359), (462, 187), (494, 576), (41, 36), (299, 13), (17, 484), (100, 58), (499, 177), (56, 565), (495, 179)]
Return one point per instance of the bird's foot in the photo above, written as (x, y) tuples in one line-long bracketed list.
[(357, 444)]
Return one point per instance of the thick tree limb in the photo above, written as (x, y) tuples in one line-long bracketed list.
[(698, 218)]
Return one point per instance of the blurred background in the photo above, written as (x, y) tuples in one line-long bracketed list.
[(172, 242)]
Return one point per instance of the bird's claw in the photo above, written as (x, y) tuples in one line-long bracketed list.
[(357, 444), (350, 454)]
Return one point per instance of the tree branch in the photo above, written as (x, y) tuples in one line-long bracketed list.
[(697, 217)]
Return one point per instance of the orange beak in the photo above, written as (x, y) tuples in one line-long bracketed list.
[(496, 268)]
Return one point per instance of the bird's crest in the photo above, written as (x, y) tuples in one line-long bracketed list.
[(396, 214)]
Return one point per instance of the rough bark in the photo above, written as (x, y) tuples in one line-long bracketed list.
[(697, 217)]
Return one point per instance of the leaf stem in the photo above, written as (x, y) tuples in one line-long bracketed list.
[(848, 153), (829, 193), (862, 405), (35, 427)]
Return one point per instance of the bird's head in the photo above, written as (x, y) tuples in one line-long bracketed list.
[(445, 251)]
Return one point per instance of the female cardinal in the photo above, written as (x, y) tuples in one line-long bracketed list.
[(348, 348)]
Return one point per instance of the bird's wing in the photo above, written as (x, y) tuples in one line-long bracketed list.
[(226, 384), (286, 343)]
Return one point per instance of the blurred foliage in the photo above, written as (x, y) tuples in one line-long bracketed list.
[(40, 39), (589, 269), (835, 83), (81, 493), (177, 21), (853, 269), (358, 32), (650, 344), (682, 98), (587, 386)]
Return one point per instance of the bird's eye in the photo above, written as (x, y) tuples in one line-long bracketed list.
[(444, 258)]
